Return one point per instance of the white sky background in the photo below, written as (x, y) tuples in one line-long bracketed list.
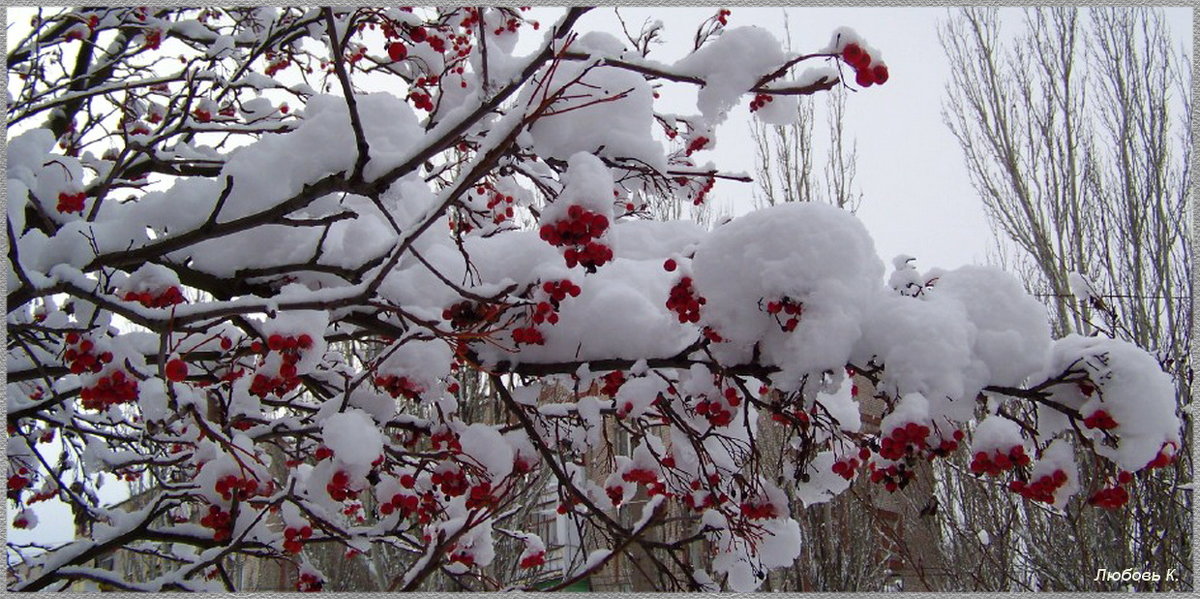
[(917, 197)]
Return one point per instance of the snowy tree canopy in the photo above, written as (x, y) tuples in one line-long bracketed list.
[(361, 277)]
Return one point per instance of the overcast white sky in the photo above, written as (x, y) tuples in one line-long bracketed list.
[(917, 198)]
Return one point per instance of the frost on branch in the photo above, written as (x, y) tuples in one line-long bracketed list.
[(432, 321)]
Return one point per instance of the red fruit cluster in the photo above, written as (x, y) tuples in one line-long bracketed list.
[(684, 301), (421, 101), (220, 521), (761, 511), (202, 115), (697, 144), (846, 468), (79, 355), (947, 445), (462, 557), (612, 383), (71, 202), (289, 349), (405, 504), (309, 583), (17, 482), (797, 415), (466, 314), (1164, 457), (322, 452), (791, 310), (447, 437), (452, 482), (533, 560), (528, 336), (1041, 489), (1110, 499), (894, 476), (716, 412), (710, 500), (559, 290), (999, 461), (709, 182), (615, 493), (723, 16), (153, 39), (646, 477), (578, 233), (165, 299), (480, 496), (338, 487), (904, 440), (1100, 420), (866, 74), (231, 486), (21, 522), (759, 101), (294, 538), (117, 388), (399, 385)]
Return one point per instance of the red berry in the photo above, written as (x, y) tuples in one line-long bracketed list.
[(176, 370), (880, 73), (670, 265), (397, 51)]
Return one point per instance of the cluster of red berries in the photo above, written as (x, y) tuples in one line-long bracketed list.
[(612, 383), (759, 101), (846, 468), (999, 461), (322, 452), (710, 499), (338, 487), (21, 521), (758, 511), (421, 101), (405, 504), (578, 233), (164, 299), (288, 348), (645, 477), (866, 75), (462, 557), (17, 482), (399, 385), (796, 415), (528, 335), (1164, 457), (452, 482), (76, 32), (220, 521), (449, 438), (945, 447), (71, 202), (466, 314), (533, 560), (697, 144), (904, 440), (616, 494), (153, 39), (496, 200), (309, 583), (723, 16), (790, 309), (684, 301), (276, 66), (480, 496), (894, 476), (294, 538), (1109, 499), (716, 412), (1100, 419), (231, 485), (111, 390), (1042, 489), (80, 357), (709, 182)]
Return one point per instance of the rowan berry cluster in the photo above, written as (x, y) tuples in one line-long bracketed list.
[(164, 299), (791, 311), (533, 560), (698, 143), (578, 233), (71, 202), (866, 74), (684, 301), (999, 461), (612, 383), (904, 440), (758, 511), (338, 487), (466, 314), (480, 496), (759, 101), (892, 476), (404, 504), (289, 349), (17, 482), (453, 482), (654, 486), (231, 486), (399, 385), (1042, 489), (846, 467), (220, 521), (1100, 419), (79, 356), (114, 389), (294, 538), (309, 583)]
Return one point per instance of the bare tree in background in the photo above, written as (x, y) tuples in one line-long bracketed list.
[(1075, 134)]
